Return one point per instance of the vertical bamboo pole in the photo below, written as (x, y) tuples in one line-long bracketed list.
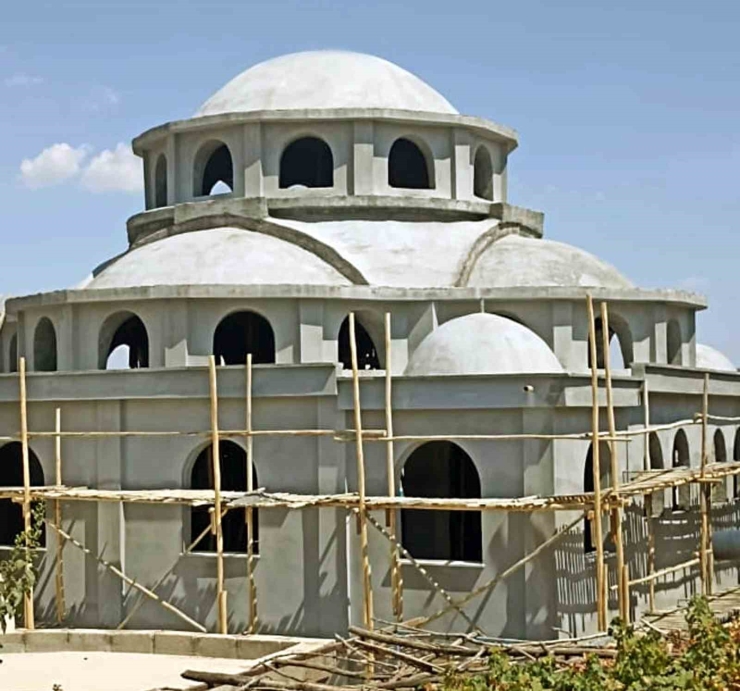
[(59, 573), (705, 496), (648, 500), (396, 576), (216, 465), (366, 584), (249, 514), (28, 616), (622, 574), (598, 535)]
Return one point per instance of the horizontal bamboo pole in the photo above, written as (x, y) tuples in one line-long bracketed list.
[(348, 434), (663, 572), (126, 579)]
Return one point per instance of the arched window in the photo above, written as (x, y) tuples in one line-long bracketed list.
[(123, 342), (13, 354), (233, 463), (588, 486), (241, 333), (655, 453), (307, 162), (441, 469), (719, 490), (367, 353), (45, 346), (214, 170), (681, 459), (674, 343), (483, 174), (160, 181), (407, 166), (11, 475), (736, 458), (620, 344)]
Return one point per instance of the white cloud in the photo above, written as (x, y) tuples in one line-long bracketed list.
[(53, 165), (22, 79), (114, 170)]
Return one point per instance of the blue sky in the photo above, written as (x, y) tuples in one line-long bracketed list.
[(628, 115)]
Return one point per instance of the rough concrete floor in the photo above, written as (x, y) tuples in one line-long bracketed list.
[(75, 671)]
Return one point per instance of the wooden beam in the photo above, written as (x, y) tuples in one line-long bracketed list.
[(249, 512), (28, 614), (59, 562)]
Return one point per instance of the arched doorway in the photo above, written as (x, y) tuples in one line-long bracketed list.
[(719, 490), (441, 469), (11, 475), (588, 486), (233, 478), (45, 346), (483, 174), (367, 353), (214, 170), (681, 496), (655, 453), (736, 458), (407, 166), (241, 333), (308, 162), (123, 342), (160, 181)]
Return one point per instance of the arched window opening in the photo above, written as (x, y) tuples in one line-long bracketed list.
[(719, 490), (45, 346), (123, 343), (13, 354), (674, 343), (160, 181), (620, 344), (367, 353), (588, 486), (308, 162), (407, 166), (655, 453), (214, 170), (736, 458), (241, 333), (233, 464), (11, 475), (483, 174), (441, 469), (681, 498)]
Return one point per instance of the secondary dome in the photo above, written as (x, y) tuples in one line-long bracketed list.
[(222, 256), (325, 79), (520, 261), (711, 358), (482, 344)]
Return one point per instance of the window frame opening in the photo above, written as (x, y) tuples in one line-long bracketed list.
[(214, 163), (719, 449), (45, 350), (736, 459), (242, 332), (124, 328), (233, 464), (618, 328), (441, 535), (483, 174), (367, 333), (655, 456), (681, 458), (306, 162), (589, 546), (11, 475), (409, 166), (13, 354), (674, 341), (160, 181)]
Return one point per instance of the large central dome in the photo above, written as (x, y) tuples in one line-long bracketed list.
[(325, 79)]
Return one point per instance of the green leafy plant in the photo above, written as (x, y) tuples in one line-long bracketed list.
[(18, 569)]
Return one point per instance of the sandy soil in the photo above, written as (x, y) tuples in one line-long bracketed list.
[(74, 671)]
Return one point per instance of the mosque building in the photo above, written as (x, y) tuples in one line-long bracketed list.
[(310, 186)]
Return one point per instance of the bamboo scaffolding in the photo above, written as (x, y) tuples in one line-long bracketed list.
[(59, 561), (28, 614), (249, 511), (392, 516), (216, 465), (705, 496), (601, 602), (622, 574), (651, 578), (649, 522), (127, 579), (360, 453)]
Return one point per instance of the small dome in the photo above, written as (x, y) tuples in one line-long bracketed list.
[(221, 256), (482, 344), (531, 262), (323, 80), (711, 358)]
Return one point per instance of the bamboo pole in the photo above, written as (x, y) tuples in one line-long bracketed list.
[(649, 523), (216, 463), (705, 495), (392, 516), (366, 573), (59, 571), (127, 579), (249, 513), (598, 534), (28, 614), (622, 574)]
